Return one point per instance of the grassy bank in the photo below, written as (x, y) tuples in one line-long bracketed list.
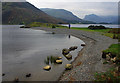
[(114, 48), (113, 75), (107, 32)]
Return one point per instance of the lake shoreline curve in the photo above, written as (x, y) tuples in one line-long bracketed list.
[(89, 60)]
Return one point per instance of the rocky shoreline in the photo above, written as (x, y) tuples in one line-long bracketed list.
[(89, 59)]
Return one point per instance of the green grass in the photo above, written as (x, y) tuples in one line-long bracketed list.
[(101, 31), (114, 48), (112, 75), (106, 32), (86, 29)]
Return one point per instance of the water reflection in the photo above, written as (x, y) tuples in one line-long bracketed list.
[(69, 36), (24, 51)]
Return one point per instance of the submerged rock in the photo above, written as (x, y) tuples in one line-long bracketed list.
[(59, 58), (65, 51), (47, 67), (59, 61), (73, 48), (68, 66), (68, 56)]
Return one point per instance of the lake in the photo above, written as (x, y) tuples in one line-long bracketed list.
[(86, 25), (24, 51)]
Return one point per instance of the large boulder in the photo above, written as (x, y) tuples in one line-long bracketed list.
[(59, 61), (47, 68), (68, 66)]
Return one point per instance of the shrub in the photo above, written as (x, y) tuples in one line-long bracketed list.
[(96, 27), (53, 26)]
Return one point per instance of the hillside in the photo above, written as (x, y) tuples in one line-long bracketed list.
[(101, 19), (62, 14), (24, 12)]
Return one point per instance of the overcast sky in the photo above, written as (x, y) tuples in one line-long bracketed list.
[(80, 7)]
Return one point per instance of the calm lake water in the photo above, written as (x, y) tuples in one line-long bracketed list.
[(86, 25), (24, 51)]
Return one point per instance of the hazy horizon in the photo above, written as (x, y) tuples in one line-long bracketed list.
[(81, 9)]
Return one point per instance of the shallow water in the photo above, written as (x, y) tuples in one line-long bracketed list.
[(24, 51)]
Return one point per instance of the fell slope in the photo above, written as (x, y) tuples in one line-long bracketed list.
[(24, 12)]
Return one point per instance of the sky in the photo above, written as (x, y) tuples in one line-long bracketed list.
[(80, 8)]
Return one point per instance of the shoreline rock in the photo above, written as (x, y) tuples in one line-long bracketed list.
[(47, 67)]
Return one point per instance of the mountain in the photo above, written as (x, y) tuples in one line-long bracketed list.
[(101, 19), (24, 12), (62, 14)]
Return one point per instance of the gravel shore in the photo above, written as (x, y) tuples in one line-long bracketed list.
[(89, 57)]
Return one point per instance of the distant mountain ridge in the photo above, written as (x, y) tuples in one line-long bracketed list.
[(62, 14), (101, 19), (24, 12)]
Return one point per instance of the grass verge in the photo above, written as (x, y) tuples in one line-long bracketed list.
[(114, 48)]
